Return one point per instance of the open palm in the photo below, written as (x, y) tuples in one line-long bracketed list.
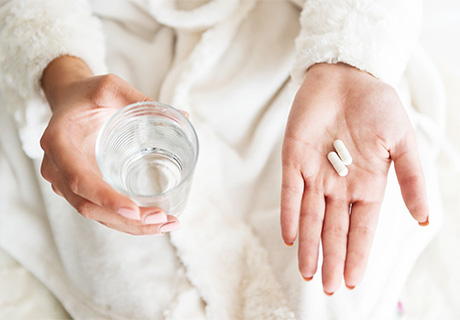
[(317, 205)]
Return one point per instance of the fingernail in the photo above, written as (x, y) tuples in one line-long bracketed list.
[(424, 224), (328, 293), (129, 213), (307, 279), (170, 226), (350, 287), (155, 218), (289, 244)]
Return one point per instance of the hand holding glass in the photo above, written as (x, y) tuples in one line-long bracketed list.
[(148, 152)]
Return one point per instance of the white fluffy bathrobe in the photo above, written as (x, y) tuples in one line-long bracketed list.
[(235, 65)]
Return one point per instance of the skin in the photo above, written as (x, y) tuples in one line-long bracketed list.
[(318, 205), (81, 103), (334, 102)]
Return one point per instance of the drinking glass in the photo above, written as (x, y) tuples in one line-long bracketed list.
[(148, 151)]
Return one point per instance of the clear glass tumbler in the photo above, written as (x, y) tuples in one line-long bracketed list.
[(148, 151)]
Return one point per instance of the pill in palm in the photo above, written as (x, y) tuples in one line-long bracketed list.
[(338, 164), (343, 152)]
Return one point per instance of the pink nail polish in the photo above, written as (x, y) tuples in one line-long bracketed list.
[(129, 213), (155, 218), (170, 226)]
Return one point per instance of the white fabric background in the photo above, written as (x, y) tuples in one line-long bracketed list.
[(23, 297), (437, 268)]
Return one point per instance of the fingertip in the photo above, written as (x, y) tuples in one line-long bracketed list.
[(329, 289), (307, 279), (289, 244), (420, 212), (328, 293), (354, 272), (172, 218), (308, 262), (288, 230), (169, 226), (129, 213), (289, 241), (156, 217), (332, 278), (425, 223)]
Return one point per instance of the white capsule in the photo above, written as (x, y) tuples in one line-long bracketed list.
[(343, 152), (338, 165)]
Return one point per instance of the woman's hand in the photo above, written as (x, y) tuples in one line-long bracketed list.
[(341, 102), (81, 104)]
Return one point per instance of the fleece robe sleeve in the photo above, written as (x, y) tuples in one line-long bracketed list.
[(32, 34), (372, 35)]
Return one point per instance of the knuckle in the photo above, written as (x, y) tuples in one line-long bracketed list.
[(54, 137), (358, 257), (46, 137), (148, 229), (290, 187), (105, 224), (44, 171), (108, 80), (105, 86), (56, 190), (363, 232), (74, 182), (411, 180), (339, 231), (84, 209), (135, 231), (145, 99), (312, 217), (313, 189), (44, 142), (335, 258)]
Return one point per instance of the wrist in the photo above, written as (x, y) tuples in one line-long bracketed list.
[(335, 68), (337, 78), (59, 76), (340, 69)]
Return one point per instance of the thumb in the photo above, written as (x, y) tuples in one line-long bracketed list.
[(410, 177)]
